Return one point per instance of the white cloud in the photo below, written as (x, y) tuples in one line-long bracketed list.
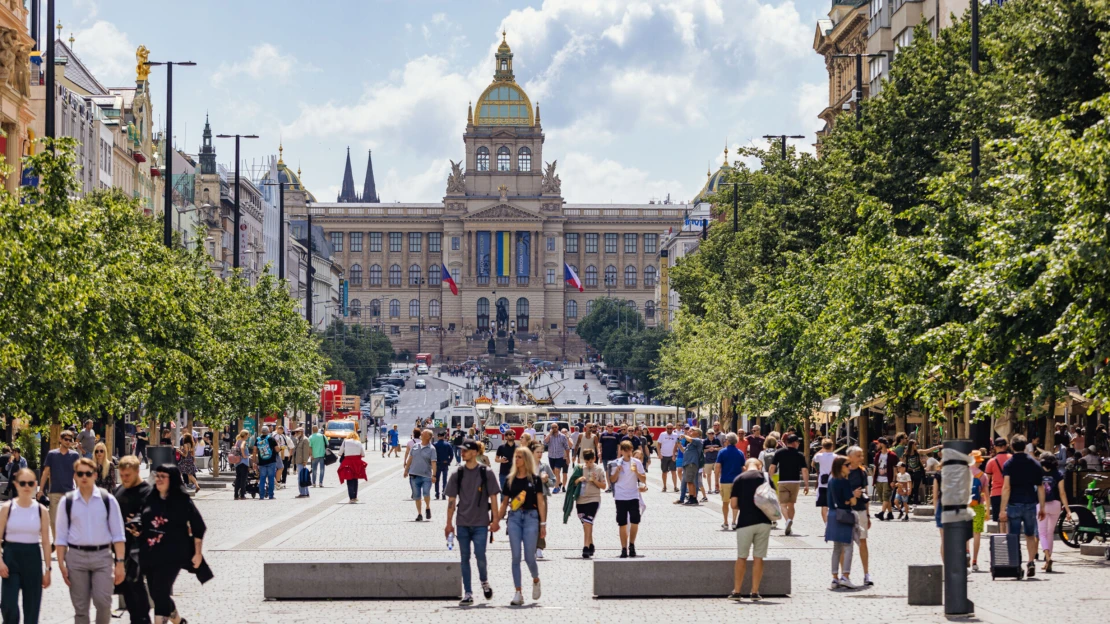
[(618, 33), (662, 99), (602, 180), (428, 185), (265, 61), (812, 99), (107, 52)]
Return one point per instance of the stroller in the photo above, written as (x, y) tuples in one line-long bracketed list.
[(252, 483)]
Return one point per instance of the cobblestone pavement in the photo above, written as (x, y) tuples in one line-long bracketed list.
[(244, 534)]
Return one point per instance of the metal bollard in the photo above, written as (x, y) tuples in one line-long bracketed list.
[(956, 518)]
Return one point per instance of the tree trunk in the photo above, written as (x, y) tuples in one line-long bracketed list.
[(967, 420), (1049, 440), (805, 438)]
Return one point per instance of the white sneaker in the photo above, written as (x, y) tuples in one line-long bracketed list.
[(867, 579), (539, 553), (846, 583), (835, 585), (789, 523), (518, 599), (536, 590)]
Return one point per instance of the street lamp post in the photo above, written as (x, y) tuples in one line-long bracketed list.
[(859, 81), (783, 138), (51, 87), (235, 240), (735, 208), (167, 178), (975, 72)]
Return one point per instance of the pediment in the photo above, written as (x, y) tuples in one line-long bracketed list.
[(502, 212)]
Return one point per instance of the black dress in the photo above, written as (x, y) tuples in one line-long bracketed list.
[(169, 527)]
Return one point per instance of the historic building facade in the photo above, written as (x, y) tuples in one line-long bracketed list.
[(504, 232)]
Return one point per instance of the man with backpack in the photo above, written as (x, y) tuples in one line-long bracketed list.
[(475, 488), (90, 544), (267, 452)]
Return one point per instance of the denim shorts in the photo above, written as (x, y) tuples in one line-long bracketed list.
[(1020, 514), (421, 486)]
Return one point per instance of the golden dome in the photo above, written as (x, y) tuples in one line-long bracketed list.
[(504, 47)]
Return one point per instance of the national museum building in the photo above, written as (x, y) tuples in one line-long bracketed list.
[(503, 231)]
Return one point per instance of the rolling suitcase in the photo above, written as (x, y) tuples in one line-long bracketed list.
[(1006, 556)]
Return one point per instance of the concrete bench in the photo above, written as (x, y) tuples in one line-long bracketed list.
[(1093, 550), (924, 511), (926, 586), (658, 578), (388, 580)]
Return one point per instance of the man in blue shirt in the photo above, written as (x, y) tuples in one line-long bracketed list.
[(1022, 491), (444, 453), (729, 465)]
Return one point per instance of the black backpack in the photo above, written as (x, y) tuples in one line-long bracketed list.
[(483, 480), (104, 494)]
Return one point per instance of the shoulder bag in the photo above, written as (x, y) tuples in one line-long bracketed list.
[(767, 500)]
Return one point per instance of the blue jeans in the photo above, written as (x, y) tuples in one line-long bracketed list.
[(318, 463), (442, 468), (1022, 514), (267, 473), (523, 528), (458, 454), (421, 487), (478, 536)]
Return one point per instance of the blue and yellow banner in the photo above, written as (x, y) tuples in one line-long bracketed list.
[(504, 254), (483, 254)]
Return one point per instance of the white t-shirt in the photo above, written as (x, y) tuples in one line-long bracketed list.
[(666, 443), (351, 447), (530, 431), (824, 461), (904, 477), (626, 485), (880, 473)]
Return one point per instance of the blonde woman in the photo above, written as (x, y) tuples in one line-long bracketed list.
[(243, 467), (105, 468), (526, 521), (352, 467), (25, 526)]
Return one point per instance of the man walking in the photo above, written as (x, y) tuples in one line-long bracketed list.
[(626, 475), (444, 454), (302, 457), (504, 457), (86, 440), (131, 496), (319, 444), (558, 448), (610, 442), (755, 442), (790, 465), (475, 489), (753, 528), (691, 463), (1022, 495), (266, 449), (729, 465), (58, 471), (665, 448), (394, 440), (420, 468), (714, 440), (90, 545)]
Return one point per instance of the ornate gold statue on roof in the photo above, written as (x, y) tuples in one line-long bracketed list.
[(142, 70)]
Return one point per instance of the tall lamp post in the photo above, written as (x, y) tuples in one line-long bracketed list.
[(51, 87), (167, 179), (235, 240), (859, 82)]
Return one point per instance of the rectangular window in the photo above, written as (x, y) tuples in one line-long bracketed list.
[(416, 241), (610, 243), (651, 243), (414, 328), (630, 243), (455, 275), (434, 239), (572, 243), (336, 241), (591, 243), (395, 242), (375, 241), (395, 329), (551, 276), (356, 241), (551, 243), (456, 243)]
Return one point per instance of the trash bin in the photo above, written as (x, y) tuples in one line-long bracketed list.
[(159, 455)]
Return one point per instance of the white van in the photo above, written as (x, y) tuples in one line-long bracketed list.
[(545, 427), (402, 370), (422, 369)]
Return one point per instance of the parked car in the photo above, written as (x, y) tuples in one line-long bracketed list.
[(572, 402), (619, 399), (613, 384), (397, 380), (421, 384), (580, 374)]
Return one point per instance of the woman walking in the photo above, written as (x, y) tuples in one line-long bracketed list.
[(1055, 500), (526, 520), (915, 465), (593, 484), (243, 467), (841, 524), (980, 501), (352, 467), (105, 468), (172, 541), (25, 526), (186, 463)]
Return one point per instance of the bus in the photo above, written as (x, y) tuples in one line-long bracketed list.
[(517, 417)]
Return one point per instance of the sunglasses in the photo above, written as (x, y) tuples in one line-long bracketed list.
[(99, 452), (25, 483), (84, 473), (67, 439)]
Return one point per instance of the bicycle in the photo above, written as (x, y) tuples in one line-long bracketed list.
[(1088, 522)]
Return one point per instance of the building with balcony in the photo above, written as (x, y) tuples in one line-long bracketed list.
[(16, 111), (844, 32)]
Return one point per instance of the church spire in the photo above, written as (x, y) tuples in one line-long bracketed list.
[(369, 190), (207, 150), (347, 191)]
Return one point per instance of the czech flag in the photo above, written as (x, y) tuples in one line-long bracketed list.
[(571, 277), (445, 276)]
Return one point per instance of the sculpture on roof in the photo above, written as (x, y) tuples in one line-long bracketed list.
[(551, 182), (142, 70), (456, 180)]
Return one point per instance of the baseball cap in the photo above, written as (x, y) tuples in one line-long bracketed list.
[(790, 438), (471, 445), (1000, 441)]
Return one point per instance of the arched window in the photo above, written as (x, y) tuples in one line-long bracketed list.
[(354, 308), (414, 275), (376, 275), (524, 159), (434, 275), (522, 314), (610, 275), (632, 305), (355, 275), (649, 309), (649, 276), (394, 308), (572, 308), (483, 313), (414, 308), (395, 275), (504, 65), (630, 276), (433, 308), (503, 158), (483, 159), (375, 308), (589, 307), (591, 275)]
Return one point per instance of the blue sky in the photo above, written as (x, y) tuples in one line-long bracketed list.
[(637, 97)]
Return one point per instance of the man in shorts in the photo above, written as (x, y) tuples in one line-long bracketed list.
[(558, 448), (626, 474), (394, 442), (665, 449), (1022, 493), (790, 465), (729, 465), (753, 528)]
